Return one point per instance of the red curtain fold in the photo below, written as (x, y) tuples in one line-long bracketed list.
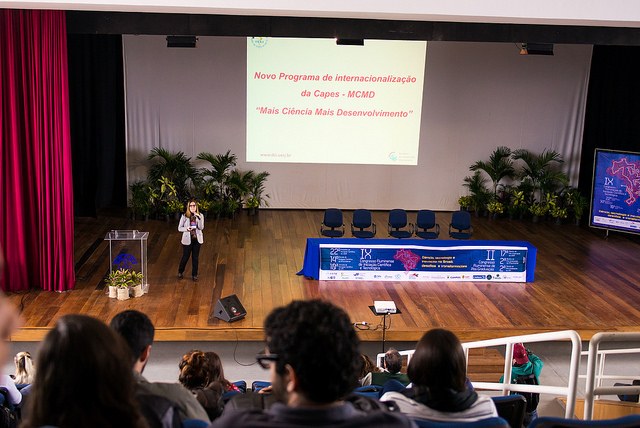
[(36, 182)]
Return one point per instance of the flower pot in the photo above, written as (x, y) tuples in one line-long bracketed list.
[(123, 293), (136, 290), (113, 292)]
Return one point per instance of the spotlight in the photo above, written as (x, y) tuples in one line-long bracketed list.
[(181, 41), (536, 49), (349, 42)]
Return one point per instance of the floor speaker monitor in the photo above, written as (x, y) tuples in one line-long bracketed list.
[(229, 309)]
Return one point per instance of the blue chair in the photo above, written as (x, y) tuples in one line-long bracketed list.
[(496, 422), (332, 225), (398, 223), (257, 385), (426, 226), (392, 386), (461, 222), (369, 391), (511, 408), (241, 384), (362, 226), (549, 422), (195, 423)]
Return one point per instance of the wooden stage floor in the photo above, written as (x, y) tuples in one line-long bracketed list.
[(582, 282)]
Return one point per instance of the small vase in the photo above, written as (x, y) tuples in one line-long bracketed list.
[(123, 293), (113, 292), (136, 290)]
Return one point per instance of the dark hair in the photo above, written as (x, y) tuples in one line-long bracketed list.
[(438, 362), (368, 366), (136, 329), (393, 361), (199, 369), (319, 342), (83, 378)]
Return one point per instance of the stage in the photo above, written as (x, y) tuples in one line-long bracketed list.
[(582, 281)]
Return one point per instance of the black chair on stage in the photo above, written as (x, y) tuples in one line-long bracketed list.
[(426, 226), (461, 222), (398, 226), (362, 226), (332, 225)]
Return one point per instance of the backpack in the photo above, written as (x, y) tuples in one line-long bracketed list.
[(533, 398)]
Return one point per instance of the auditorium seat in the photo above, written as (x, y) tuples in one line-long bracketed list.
[(553, 422), (426, 226), (461, 222), (362, 226), (511, 408), (495, 422), (332, 225), (398, 225)]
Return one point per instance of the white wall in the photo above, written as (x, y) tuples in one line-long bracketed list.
[(477, 96)]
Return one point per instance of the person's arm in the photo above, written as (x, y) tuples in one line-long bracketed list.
[(15, 397), (200, 221), (184, 223), (536, 362)]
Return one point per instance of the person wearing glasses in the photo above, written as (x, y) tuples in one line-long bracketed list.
[(191, 225), (312, 353)]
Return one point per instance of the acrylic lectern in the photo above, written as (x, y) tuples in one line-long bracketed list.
[(128, 250)]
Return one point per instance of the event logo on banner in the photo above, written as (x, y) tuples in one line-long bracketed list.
[(423, 263)]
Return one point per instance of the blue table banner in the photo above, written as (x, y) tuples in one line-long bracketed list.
[(417, 260)]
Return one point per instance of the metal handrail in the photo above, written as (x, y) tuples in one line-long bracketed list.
[(507, 387), (591, 389)]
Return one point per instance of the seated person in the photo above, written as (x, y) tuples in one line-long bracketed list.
[(84, 378), (368, 366), (439, 392), (392, 366), (13, 395), (25, 369), (312, 352), (202, 374)]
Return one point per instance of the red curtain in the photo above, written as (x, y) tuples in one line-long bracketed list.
[(36, 189)]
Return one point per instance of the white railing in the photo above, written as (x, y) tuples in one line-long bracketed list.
[(507, 387), (569, 391), (597, 357)]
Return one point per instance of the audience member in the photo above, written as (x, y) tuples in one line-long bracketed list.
[(201, 373), (83, 379), (138, 331), (439, 392), (392, 365), (25, 369), (313, 355), (526, 369), (368, 366)]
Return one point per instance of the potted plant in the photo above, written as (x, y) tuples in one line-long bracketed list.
[(465, 202), (478, 192), (140, 200), (495, 208), (136, 283), (499, 166), (113, 281), (257, 195), (558, 213), (517, 204), (538, 210), (577, 203)]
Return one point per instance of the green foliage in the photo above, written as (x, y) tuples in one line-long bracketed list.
[(477, 190), (140, 201), (495, 207), (465, 201), (539, 209), (176, 167), (124, 278), (498, 167), (576, 203)]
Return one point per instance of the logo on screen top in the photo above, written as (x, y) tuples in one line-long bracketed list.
[(259, 42), (393, 156), (479, 276)]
